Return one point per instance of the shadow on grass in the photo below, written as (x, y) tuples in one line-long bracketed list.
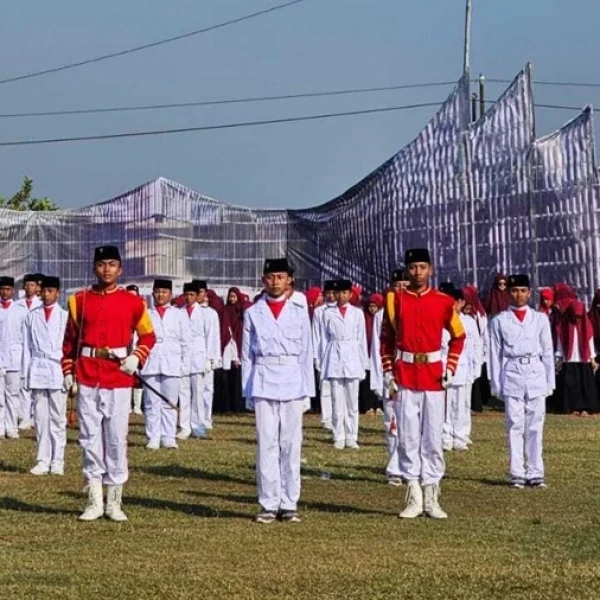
[(6, 468), (19, 506), (196, 510), (325, 507), (186, 472)]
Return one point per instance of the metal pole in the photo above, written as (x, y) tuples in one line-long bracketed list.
[(467, 52), (473, 107), (481, 95)]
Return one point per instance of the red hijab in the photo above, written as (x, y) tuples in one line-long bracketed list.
[(546, 294), (594, 316), (471, 298), (233, 320), (376, 299), (497, 300), (312, 296), (574, 319)]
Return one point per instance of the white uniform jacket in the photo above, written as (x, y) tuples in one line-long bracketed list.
[(35, 302), (173, 339), (317, 332), (277, 356), (377, 384), (521, 357), (344, 344), (12, 333), (469, 363), (205, 332), (42, 348)]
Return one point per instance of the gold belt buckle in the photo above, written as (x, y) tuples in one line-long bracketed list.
[(421, 358), (102, 353)]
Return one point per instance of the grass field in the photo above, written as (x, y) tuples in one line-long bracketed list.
[(190, 532)]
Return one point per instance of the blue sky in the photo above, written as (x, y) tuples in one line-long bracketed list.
[(314, 46)]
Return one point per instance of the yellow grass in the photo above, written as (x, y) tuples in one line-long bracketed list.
[(190, 532)]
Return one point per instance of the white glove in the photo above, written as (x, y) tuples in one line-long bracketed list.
[(208, 366), (2, 372), (249, 403), (390, 384), (549, 393), (130, 365), (447, 379), (316, 363), (216, 363), (185, 370), (68, 383)]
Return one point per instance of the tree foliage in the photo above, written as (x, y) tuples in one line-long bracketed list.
[(23, 199)]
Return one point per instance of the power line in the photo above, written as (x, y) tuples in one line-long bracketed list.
[(113, 136), (550, 83), (88, 111), (176, 38)]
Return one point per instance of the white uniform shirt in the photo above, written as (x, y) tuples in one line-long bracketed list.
[(35, 302), (173, 339), (317, 332), (277, 357), (575, 353), (465, 367), (521, 357), (344, 344), (12, 333), (42, 348), (206, 337), (377, 384)]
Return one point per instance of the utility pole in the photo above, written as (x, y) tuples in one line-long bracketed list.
[(467, 51)]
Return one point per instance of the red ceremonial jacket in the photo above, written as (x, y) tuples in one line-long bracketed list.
[(414, 323), (101, 319)]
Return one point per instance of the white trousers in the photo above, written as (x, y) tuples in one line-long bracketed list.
[(344, 395), (456, 420), (209, 394), (191, 402), (103, 424), (420, 417), (26, 405), (525, 430), (468, 415), (326, 403), (50, 413), (160, 418), (10, 394), (279, 446), (390, 424)]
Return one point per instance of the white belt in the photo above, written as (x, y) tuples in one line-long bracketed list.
[(276, 360), (89, 352), (419, 358), (160, 340), (524, 360)]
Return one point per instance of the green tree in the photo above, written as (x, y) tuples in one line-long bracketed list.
[(23, 199)]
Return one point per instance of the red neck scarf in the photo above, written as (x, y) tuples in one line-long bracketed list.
[(6, 303), (190, 309), (48, 311), (275, 306), (161, 310)]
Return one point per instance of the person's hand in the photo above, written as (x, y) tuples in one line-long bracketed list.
[(69, 384), (207, 366), (390, 384), (130, 365), (558, 363), (447, 379)]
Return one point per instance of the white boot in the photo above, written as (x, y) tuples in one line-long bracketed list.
[(137, 402), (95, 508), (432, 506), (113, 503), (414, 501)]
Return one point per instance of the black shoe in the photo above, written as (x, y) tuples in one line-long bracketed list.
[(537, 483), (266, 516), (290, 516)]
